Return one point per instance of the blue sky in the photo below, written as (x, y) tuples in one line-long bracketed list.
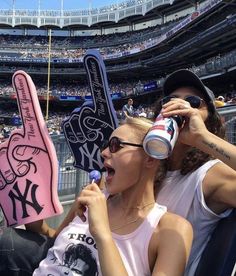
[(55, 4)]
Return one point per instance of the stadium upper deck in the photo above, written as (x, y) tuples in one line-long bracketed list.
[(201, 35), (188, 42), (127, 11)]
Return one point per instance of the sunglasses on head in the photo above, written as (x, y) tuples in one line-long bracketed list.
[(115, 144), (194, 101)]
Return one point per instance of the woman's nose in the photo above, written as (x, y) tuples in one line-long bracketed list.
[(105, 153)]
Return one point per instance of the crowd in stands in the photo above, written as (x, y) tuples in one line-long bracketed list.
[(55, 120), (75, 47), (109, 45), (127, 88), (54, 124), (76, 89), (226, 99)]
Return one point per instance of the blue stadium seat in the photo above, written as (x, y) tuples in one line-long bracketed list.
[(219, 256)]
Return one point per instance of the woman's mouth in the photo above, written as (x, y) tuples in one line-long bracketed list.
[(110, 172)]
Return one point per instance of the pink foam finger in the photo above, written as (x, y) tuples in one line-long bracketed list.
[(31, 155)]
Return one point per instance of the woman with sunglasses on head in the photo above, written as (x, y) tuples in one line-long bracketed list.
[(198, 186), (124, 229)]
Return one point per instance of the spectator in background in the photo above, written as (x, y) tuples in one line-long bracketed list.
[(150, 113), (143, 113), (220, 101), (228, 98), (233, 101), (128, 110)]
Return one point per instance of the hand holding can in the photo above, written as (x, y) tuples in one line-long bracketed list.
[(161, 138)]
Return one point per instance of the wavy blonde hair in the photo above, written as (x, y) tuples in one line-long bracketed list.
[(141, 127)]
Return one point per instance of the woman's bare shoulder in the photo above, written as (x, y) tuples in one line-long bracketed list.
[(172, 221)]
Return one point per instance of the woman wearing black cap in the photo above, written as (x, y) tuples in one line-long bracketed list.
[(198, 186)]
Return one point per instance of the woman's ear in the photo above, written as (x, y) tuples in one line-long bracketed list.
[(151, 162)]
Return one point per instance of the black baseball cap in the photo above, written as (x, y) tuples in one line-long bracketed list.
[(184, 77)]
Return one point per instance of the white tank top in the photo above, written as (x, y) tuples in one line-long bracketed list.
[(74, 250), (182, 194)]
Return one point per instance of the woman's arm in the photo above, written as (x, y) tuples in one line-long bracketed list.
[(40, 227), (196, 134), (174, 244), (219, 188), (218, 148), (109, 257)]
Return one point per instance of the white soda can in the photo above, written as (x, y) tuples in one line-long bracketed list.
[(162, 136)]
